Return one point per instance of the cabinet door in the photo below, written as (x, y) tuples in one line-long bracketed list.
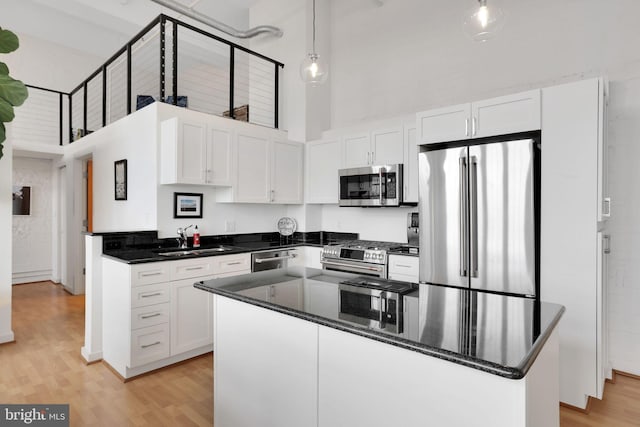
[(288, 294), (356, 150), (219, 156), (191, 317), (444, 124), (323, 162), (519, 112), (387, 146), (191, 154), (410, 164), (286, 172), (253, 171)]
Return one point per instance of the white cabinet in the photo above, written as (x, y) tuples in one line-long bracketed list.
[(404, 268), (195, 152), (269, 168), (312, 257), (513, 113), (322, 165), (572, 157), (154, 316), (377, 147), (410, 173)]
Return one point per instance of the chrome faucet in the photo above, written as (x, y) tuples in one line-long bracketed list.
[(182, 237)]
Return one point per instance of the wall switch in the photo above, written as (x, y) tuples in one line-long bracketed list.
[(230, 226)]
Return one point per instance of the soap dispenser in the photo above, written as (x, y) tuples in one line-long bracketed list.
[(196, 237)]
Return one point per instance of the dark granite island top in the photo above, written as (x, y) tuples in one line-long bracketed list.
[(501, 335)]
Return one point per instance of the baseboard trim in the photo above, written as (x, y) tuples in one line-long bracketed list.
[(112, 369), (7, 338), (615, 373), (90, 358), (578, 409), (624, 374)]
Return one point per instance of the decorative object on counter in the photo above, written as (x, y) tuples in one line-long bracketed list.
[(120, 179), (413, 229), (187, 205), (287, 226), (240, 113), (483, 22), (182, 236), (21, 200), (313, 70), (196, 237), (182, 101)]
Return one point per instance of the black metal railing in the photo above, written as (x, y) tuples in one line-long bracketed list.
[(174, 62), (42, 119)]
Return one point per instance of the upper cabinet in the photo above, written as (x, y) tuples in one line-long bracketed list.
[(269, 168), (377, 147), (322, 164), (195, 152), (497, 116)]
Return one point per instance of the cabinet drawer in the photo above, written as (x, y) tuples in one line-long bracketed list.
[(404, 265), (145, 274), (151, 315), (142, 296), (189, 268), (404, 278), (232, 263), (149, 344)]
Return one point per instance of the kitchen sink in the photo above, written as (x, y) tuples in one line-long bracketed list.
[(198, 251)]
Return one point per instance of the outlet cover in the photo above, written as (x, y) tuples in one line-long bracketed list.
[(230, 226)]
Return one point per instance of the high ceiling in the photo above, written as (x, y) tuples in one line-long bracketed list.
[(100, 27)]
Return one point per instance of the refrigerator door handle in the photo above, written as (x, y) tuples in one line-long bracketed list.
[(463, 215), (473, 177)]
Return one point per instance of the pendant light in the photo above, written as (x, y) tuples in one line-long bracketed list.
[(483, 22), (313, 69)]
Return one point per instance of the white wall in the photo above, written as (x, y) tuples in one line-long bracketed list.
[(33, 234), (6, 333)]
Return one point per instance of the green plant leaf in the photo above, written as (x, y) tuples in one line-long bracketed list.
[(3, 136), (4, 69), (8, 41), (6, 111), (13, 91)]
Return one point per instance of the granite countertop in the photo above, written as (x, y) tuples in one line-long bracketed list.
[(145, 247), (498, 334)]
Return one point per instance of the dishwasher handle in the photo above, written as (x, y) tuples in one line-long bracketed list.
[(275, 258)]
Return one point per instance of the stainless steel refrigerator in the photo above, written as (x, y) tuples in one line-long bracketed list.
[(479, 214)]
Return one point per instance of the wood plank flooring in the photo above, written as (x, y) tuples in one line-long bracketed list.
[(45, 366)]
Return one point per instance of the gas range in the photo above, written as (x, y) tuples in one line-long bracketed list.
[(358, 256)]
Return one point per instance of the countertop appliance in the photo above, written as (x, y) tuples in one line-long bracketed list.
[(371, 186), (413, 236), (270, 260), (374, 303), (479, 214), (358, 256)]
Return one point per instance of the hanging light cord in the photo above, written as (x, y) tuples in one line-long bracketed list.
[(314, 27)]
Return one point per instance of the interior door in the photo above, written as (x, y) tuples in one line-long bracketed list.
[(502, 222), (443, 219)]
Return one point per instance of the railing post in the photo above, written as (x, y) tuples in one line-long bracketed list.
[(84, 109), (232, 67), (175, 63), (162, 57), (128, 78), (70, 118), (60, 115), (104, 95), (275, 97)]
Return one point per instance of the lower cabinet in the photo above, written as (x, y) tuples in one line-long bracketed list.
[(404, 268), (153, 316)]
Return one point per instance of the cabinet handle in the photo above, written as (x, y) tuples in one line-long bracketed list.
[(208, 177), (157, 273), (466, 127), (607, 248), (234, 263), (150, 345), (149, 316), (273, 195), (368, 158), (474, 127), (403, 266), (151, 295), (373, 157), (606, 207), (194, 268)]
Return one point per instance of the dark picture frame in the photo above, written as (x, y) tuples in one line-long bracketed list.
[(120, 179), (21, 200), (187, 205)]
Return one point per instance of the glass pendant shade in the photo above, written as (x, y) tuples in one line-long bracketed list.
[(314, 70), (483, 21)]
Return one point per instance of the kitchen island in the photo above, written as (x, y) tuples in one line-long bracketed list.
[(285, 356)]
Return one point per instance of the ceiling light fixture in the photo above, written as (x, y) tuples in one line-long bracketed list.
[(483, 22), (314, 70)]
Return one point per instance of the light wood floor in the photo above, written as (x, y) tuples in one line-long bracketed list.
[(44, 366)]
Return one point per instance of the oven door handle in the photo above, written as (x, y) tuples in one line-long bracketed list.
[(275, 258), (359, 267)]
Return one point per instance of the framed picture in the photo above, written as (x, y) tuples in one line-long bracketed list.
[(120, 179), (187, 205), (21, 200)]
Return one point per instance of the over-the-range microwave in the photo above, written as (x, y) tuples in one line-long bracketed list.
[(371, 186)]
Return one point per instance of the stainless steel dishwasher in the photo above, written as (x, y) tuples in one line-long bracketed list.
[(273, 259)]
